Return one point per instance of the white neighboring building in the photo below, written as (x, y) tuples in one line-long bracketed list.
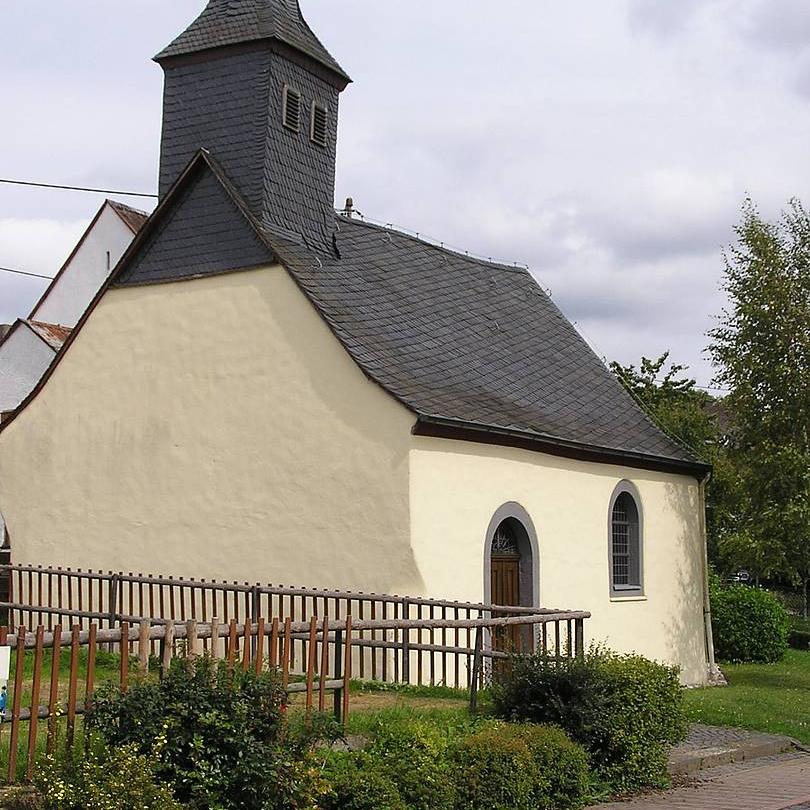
[(30, 345), (103, 244)]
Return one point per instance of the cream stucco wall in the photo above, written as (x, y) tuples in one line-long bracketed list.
[(457, 487), (212, 428)]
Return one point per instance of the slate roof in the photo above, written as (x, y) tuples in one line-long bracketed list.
[(231, 22), (469, 342), (459, 341)]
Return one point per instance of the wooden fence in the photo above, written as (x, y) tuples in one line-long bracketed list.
[(401, 639), (328, 652)]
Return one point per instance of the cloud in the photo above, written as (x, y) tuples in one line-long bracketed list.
[(782, 25), (35, 246), (664, 19)]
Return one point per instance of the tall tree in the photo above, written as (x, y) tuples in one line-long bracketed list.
[(696, 419), (761, 350)]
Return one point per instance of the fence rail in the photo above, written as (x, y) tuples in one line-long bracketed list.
[(329, 652), (400, 639)]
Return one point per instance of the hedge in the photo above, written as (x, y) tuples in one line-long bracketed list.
[(748, 624), (625, 710)]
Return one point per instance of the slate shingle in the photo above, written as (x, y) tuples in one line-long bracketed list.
[(231, 22), (470, 341)]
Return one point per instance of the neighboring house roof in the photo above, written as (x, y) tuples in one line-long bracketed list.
[(5, 328), (231, 22), (132, 217), (53, 334), (467, 345)]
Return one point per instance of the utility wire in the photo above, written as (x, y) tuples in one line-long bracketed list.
[(77, 188), (23, 273)]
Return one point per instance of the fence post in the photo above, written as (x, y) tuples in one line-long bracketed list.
[(347, 670), (143, 648), (112, 603), (167, 649), (476, 673), (338, 697), (192, 646), (406, 644), (255, 608), (579, 632)]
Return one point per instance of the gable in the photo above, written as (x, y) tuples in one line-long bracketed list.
[(202, 233), (86, 270), (24, 357)]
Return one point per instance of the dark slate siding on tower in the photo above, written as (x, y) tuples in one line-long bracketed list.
[(300, 175), (219, 104), (204, 233)]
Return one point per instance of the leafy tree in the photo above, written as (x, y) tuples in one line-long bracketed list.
[(761, 350), (694, 418), (675, 402)]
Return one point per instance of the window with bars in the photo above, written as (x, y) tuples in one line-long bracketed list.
[(625, 539)]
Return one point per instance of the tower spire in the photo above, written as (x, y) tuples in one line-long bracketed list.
[(250, 82)]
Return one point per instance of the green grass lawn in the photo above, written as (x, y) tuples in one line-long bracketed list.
[(765, 697)]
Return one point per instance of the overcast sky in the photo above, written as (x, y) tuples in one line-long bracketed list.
[(607, 144)]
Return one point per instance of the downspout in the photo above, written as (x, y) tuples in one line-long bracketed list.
[(715, 676)]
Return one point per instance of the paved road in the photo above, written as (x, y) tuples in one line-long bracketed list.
[(781, 784)]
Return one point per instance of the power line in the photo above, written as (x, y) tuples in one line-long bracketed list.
[(23, 273), (77, 188)]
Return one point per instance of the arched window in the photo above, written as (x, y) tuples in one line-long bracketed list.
[(626, 570)]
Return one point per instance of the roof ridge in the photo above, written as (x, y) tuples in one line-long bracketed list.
[(441, 247)]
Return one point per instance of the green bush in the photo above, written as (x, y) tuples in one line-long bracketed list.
[(520, 766), (355, 784), (562, 765), (222, 735), (118, 778), (494, 771), (748, 624), (624, 710), (413, 756)]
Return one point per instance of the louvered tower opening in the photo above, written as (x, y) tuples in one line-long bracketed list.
[(319, 128), (292, 109)]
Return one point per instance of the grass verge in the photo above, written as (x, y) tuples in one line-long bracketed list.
[(773, 698)]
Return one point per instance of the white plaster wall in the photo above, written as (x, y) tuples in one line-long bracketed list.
[(456, 487), (87, 271), (24, 358), (212, 428)]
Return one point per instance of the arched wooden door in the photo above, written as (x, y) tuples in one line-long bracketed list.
[(505, 583)]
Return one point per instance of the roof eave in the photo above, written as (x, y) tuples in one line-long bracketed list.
[(445, 428), (341, 79)]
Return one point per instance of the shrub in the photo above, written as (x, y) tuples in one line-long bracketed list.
[(223, 737), (355, 784), (106, 779), (413, 755), (562, 764), (748, 624), (494, 771), (625, 710), (520, 766)]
